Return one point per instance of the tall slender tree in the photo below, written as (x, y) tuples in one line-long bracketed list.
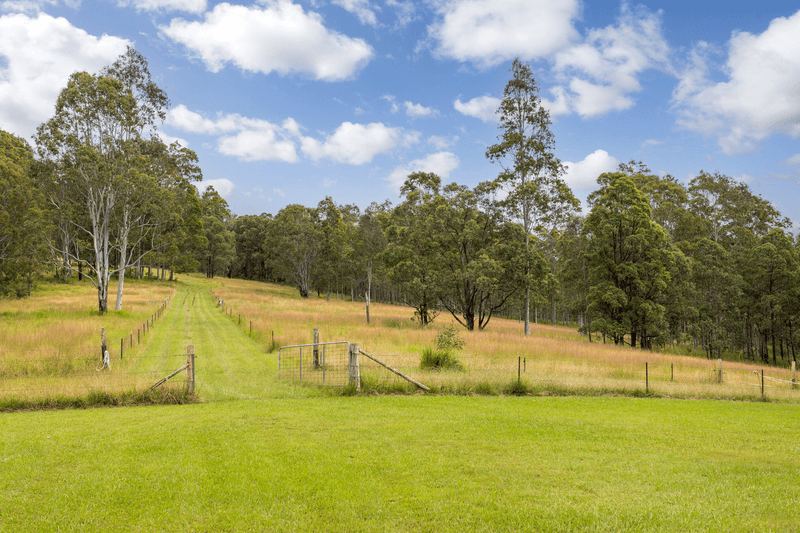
[(531, 177)]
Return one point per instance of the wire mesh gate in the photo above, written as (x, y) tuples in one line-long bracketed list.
[(325, 363)]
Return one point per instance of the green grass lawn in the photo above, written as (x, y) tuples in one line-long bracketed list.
[(261, 455)]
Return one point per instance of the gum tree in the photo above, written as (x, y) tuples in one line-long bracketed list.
[(532, 177)]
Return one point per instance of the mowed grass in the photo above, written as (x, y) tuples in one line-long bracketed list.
[(263, 455), (405, 463), (553, 359)]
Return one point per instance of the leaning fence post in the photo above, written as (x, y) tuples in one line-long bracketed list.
[(355, 376), (190, 369)]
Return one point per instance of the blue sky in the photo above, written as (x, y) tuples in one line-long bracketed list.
[(289, 101)]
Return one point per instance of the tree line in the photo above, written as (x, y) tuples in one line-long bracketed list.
[(652, 261)]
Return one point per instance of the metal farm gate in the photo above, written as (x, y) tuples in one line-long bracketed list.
[(326, 363)]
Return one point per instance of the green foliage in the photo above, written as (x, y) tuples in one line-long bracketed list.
[(22, 218), (449, 340), (439, 360), (629, 259)]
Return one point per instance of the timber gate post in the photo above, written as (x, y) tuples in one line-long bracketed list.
[(355, 375)]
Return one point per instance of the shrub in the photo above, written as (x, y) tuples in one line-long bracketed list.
[(449, 340), (439, 360)]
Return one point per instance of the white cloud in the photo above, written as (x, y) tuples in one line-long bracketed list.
[(418, 110), (758, 99), (34, 6), (583, 174), (600, 73), (487, 32), (278, 37), (361, 9), (223, 186), (440, 143), (481, 107), (40, 54), (259, 144), (651, 142), (794, 160), (392, 100), (356, 144), (250, 140), (440, 163), (169, 139), (189, 6), (406, 11)]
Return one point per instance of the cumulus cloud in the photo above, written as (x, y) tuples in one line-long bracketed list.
[(583, 174), (651, 142), (248, 139), (252, 139), (794, 160), (481, 107), (440, 163), (356, 144), (37, 56), (488, 32), (440, 143), (759, 97), (406, 11), (189, 6), (418, 110), (278, 37), (34, 6), (361, 9), (602, 72), (223, 186)]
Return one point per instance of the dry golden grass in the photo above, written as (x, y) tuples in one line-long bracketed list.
[(552, 354), (50, 342)]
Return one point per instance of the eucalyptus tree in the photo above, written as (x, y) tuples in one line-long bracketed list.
[(220, 242), (298, 237), (22, 217), (410, 254), (480, 260), (95, 146), (369, 243), (532, 177), (629, 257)]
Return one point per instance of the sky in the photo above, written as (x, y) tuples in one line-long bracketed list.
[(290, 101)]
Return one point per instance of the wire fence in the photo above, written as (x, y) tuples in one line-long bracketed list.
[(76, 376)]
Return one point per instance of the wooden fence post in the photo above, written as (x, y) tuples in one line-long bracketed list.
[(190, 369), (121, 347), (719, 372), (102, 344), (646, 379), (794, 385), (355, 374), (315, 356)]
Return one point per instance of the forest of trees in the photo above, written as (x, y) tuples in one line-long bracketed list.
[(651, 262)]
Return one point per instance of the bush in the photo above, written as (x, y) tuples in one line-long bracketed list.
[(449, 340), (439, 360)]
